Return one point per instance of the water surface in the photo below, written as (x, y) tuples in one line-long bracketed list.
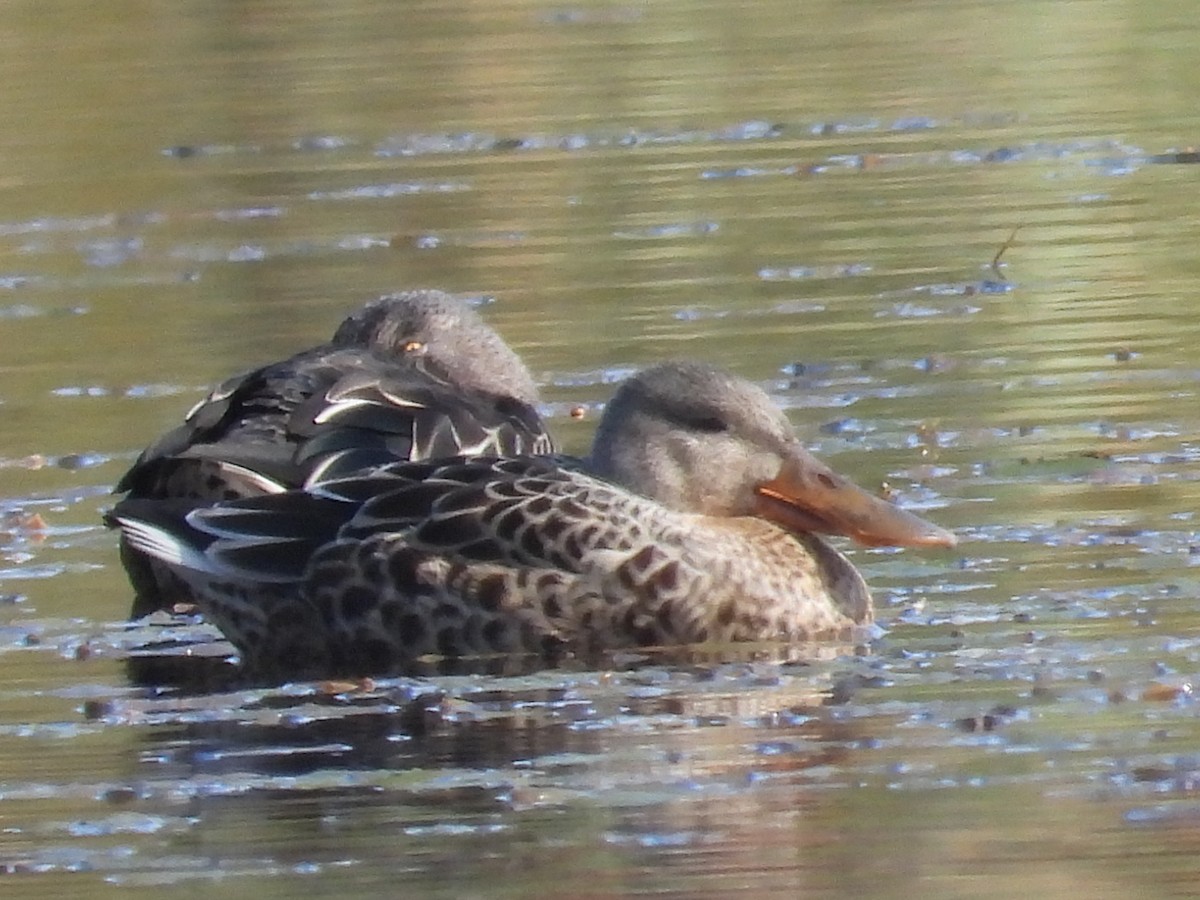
[(814, 200)]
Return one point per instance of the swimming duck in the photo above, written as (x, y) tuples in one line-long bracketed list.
[(413, 375), (695, 519)]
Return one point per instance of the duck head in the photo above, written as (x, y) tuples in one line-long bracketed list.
[(443, 335), (698, 439)]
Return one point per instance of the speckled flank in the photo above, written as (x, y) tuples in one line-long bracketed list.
[(742, 580), (636, 576)]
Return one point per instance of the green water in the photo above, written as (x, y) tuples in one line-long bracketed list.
[(811, 195)]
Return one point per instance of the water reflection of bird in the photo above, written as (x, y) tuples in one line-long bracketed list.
[(414, 375), (694, 520)]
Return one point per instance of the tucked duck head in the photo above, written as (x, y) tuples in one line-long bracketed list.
[(699, 439), (443, 335)]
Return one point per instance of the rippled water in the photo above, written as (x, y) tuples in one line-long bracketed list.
[(954, 239)]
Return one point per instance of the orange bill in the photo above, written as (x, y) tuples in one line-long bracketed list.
[(808, 496)]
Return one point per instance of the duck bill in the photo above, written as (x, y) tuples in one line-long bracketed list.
[(808, 496)]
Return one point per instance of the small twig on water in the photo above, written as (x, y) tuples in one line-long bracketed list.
[(999, 253)]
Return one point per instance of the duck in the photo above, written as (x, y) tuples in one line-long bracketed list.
[(697, 518), (410, 375)]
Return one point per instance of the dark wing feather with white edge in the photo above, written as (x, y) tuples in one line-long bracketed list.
[(322, 418)]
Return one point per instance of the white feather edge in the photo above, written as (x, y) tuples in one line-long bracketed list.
[(170, 549), (162, 545), (319, 470), (208, 519), (257, 479), (338, 407)]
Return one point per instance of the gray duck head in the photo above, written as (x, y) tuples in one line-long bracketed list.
[(443, 335), (696, 438)]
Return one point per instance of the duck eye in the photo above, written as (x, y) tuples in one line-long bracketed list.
[(413, 346), (710, 424)]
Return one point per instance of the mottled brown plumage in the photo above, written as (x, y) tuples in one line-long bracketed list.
[(692, 522)]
